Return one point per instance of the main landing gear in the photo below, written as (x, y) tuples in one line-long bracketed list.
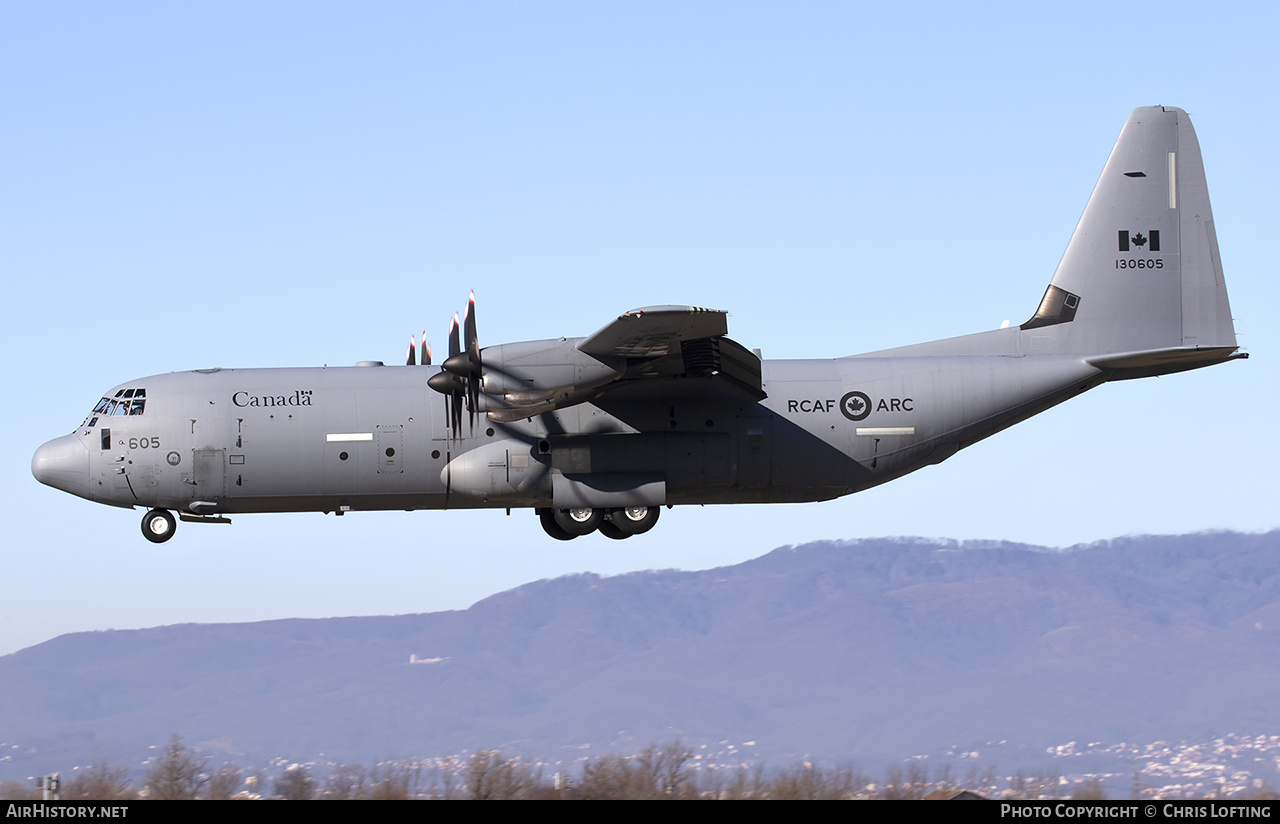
[(567, 524), (158, 526)]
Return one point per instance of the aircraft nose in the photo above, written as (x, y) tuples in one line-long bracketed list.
[(63, 463)]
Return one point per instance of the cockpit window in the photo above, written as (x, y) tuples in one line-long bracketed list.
[(125, 402)]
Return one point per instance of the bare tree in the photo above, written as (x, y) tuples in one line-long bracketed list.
[(18, 791), (943, 780), (447, 789), (255, 784), (609, 777), (894, 786), (1020, 787), (810, 782), (295, 785), (225, 783), (100, 782), (1089, 789), (745, 784), (177, 774), (917, 780), (388, 783), (981, 781), (653, 773), (671, 777), (1260, 791), (346, 783), (754, 784), (1046, 783), (490, 776)]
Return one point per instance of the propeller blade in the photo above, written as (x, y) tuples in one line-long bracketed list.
[(454, 400), (472, 343), (413, 347), (473, 399), (426, 350), (472, 340)]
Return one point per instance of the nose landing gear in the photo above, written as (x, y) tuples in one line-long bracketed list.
[(158, 526)]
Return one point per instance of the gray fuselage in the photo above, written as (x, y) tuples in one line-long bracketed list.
[(375, 437)]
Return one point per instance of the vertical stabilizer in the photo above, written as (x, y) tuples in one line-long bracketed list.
[(1141, 273)]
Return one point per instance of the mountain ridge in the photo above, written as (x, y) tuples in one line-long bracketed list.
[(871, 649)]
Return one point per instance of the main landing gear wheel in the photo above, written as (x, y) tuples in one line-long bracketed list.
[(579, 521), (634, 520), (158, 526), (548, 518), (610, 530)]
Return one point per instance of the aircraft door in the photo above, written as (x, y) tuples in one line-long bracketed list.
[(755, 451), (210, 473)]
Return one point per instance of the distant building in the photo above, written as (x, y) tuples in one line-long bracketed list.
[(953, 795)]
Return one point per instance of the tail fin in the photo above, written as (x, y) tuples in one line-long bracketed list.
[(1140, 287)]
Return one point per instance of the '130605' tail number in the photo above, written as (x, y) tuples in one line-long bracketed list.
[(1139, 263)]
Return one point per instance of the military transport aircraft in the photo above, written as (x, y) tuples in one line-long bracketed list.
[(659, 407)]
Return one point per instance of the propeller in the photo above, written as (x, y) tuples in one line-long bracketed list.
[(460, 378), (448, 383), (411, 358)]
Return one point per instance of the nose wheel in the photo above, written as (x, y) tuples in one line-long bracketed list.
[(158, 526)]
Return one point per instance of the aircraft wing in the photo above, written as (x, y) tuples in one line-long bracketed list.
[(654, 331), (642, 349)]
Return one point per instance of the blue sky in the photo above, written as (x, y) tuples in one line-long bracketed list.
[(288, 184)]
